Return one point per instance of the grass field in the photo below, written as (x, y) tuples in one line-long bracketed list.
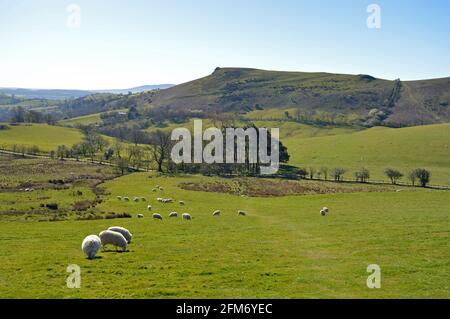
[(282, 249), (87, 119), (46, 137), (376, 149)]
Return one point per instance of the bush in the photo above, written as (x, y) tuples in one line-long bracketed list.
[(423, 176), (393, 174), (363, 175)]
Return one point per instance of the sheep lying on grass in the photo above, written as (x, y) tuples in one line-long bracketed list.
[(157, 216), (216, 213), (186, 216), (127, 199), (140, 216), (136, 199), (173, 214), (109, 237), (324, 211), (125, 232), (242, 213), (90, 246)]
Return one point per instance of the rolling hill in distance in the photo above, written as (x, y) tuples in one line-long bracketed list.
[(50, 94), (370, 100)]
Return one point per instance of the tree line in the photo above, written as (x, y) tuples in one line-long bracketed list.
[(416, 177)]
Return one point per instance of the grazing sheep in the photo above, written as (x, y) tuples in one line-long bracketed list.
[(109, 237), (242, 213), (140, 216), (325, 209), (119, 197), (125, 232), (157, 216), (173, 214), (159, 199), (186, 216), (127, 199), (91, 245), (216, 213), (149, 207), (136, 199), (182, 202)]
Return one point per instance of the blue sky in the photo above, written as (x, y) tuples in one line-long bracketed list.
[(122, 44)]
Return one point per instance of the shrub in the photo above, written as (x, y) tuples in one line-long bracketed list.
[(423, 176), (393, 174)]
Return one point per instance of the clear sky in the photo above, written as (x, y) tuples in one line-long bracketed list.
[(121, 44)]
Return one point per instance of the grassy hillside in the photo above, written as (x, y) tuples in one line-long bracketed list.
[(376, 149), (46, 137), (334, 98), (282, 249)]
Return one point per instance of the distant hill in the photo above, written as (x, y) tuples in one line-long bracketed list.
[(138, 89), (73, 94), (325, 97), (44, 93)]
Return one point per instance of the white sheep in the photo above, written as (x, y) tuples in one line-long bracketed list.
[(125, 232), (157, 216), (154, 190), (242, 213), (127, 199), (149, 207), (109, 237), (140, 216), (159, 199), (325, 209), (182, 202), (216, 213), (136, 199), (323, 213), (186, 216), (90, 246), (119, 197), (173, 214)]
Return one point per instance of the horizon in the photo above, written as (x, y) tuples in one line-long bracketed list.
[(80, 45), (175, 84)]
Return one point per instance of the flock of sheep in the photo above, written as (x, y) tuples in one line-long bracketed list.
[(120, 237)]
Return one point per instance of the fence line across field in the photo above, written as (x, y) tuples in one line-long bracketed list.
[(372, 182)]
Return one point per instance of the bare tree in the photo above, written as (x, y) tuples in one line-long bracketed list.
[(393, 174), (338, 174), (160, 144), (324, 172), (412, 177)]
